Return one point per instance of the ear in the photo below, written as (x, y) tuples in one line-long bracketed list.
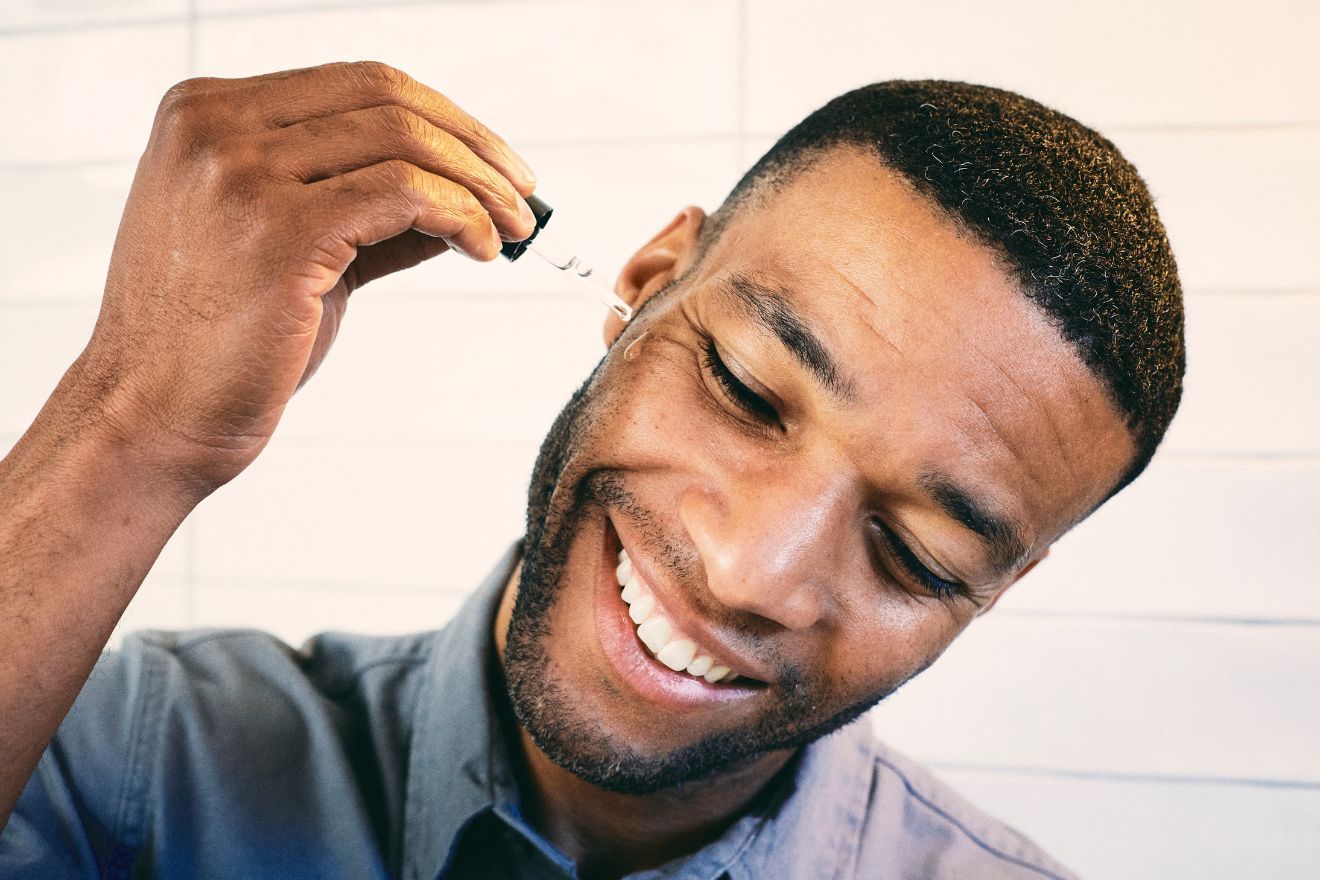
[(1017, 577), (662, 259)]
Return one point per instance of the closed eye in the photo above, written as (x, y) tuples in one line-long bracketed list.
[(913, 567), (738, 394)]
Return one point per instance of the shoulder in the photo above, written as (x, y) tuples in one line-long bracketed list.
[(253, 680), (156, 679), (934, 831), (329, 662)]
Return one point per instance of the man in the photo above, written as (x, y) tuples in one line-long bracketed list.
[(931, 330)]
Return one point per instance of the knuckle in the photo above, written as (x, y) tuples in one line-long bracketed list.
[(179, 108), (187, 98), (189, 115), (487, 187), (467, 209), (396, 173), (479, 135), (231, 172), (176, 94), (445, 150), (403, 125), (379, 78), (405, 179)]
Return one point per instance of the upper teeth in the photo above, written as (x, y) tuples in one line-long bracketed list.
[(669, 646)]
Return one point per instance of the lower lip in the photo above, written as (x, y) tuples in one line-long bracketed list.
[(644, 674)]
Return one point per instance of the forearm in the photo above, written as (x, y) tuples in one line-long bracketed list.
[(82, 519)]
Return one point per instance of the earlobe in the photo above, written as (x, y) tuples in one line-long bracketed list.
[(662, 259), (1017, 577)]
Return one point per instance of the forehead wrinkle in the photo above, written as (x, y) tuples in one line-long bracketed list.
[(863, 314), (971, 342), (772, 309), (984, 416)]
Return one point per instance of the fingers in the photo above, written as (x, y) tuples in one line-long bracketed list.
[(393, 255), (295, 96), (328, 146), (381, 201)]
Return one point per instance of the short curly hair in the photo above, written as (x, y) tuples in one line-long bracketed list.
[(1071, 218)]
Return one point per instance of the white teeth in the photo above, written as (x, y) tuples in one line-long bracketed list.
[(655, 634), (677, 654), (632, 591), (642, 608), (716, 673)]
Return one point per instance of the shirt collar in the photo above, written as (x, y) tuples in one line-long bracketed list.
[(458, 765), (817, 828)]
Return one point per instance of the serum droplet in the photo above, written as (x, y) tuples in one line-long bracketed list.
[(635, 347)]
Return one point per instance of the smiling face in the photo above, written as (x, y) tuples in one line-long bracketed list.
[(823, 450)]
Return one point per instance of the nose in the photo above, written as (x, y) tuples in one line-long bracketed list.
[(770, 541)]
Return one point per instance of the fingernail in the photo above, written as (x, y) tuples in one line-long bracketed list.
[(525, 212), (525, 170)]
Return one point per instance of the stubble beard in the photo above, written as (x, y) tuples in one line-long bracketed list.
[(546, 707)]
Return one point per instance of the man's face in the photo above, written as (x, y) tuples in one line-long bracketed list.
[(824, 450)]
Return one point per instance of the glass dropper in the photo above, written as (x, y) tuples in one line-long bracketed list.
[(565, 259)]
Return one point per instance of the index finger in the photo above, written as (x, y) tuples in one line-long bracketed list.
[(294, 96)]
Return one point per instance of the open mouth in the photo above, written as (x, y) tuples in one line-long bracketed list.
[(648, 645), (659, 636)]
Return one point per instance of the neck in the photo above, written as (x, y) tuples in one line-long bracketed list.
[(608, 834)]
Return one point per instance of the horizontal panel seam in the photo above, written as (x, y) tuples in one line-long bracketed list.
[(1137, 778)]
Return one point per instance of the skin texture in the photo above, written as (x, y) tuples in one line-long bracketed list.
[(258, 207), (261, 204), (765, 532)]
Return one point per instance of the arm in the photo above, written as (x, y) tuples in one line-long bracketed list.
[(82, 521), (258, 207)]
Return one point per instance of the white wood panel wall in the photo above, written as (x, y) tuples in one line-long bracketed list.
[(1146, 705)]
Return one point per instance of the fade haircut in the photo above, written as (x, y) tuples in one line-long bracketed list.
[(1068, 216)]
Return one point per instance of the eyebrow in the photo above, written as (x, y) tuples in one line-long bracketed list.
[(772, 309), (1000, 534)]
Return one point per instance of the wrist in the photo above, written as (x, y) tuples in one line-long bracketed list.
[(85, 442)]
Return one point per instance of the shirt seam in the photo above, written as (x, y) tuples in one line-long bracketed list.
[(354, 677), (180, 649), (725, 868), (133, 794), (850, 855), (957, 823), (184, 647)]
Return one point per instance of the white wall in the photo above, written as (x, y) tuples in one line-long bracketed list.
[(1146, 705)]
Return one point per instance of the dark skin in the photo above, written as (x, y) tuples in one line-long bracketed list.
[(258, 207), (942, 367), (261, 204)]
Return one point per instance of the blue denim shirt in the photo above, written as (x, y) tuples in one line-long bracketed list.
[(228, 754)]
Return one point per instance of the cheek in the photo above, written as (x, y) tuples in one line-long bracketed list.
[(660, 413), (893, 637)]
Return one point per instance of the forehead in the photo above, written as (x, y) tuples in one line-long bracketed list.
[(951, 365)]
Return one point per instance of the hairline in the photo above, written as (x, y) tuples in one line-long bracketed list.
[(758, 184)]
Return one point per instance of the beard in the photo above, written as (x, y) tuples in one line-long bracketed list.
[(545, 705)]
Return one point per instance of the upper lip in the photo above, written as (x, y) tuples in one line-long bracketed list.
[(672, 602)]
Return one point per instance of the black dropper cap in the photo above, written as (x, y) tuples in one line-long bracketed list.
[(541, 211)]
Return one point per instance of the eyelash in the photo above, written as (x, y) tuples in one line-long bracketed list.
[(908, 561), (758, 408), (739, 394)]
